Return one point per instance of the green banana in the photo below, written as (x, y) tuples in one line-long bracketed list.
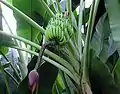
[(59, 29)]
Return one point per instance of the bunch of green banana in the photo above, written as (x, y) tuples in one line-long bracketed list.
[(59, 29)]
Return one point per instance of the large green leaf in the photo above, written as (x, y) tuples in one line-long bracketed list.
[(102, 81), (23, 28), (113, 9), (99, 35), (108, 49), (102, 42), (38, 11)]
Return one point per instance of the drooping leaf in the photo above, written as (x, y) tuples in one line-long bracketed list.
[(102, 42), (112, 8), (99, 35), (108, 49)]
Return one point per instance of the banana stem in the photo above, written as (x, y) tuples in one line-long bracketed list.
[(85, 63), (69, 9)]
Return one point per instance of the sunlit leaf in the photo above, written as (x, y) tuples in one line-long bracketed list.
[(4, 50)]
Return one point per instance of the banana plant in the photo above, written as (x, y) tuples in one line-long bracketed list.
[(73, 52)]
